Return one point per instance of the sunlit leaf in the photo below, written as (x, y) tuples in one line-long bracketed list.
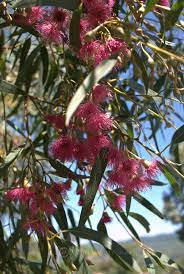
[(91, 80)]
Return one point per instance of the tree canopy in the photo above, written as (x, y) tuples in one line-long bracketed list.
[(87, 90)]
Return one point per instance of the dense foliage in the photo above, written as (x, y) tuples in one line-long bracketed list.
[(86, 88)]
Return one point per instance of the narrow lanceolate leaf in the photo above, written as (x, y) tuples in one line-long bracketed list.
[(143, 201), (139, 62), (10, 158), (128, 224), (66, 4), (102, 228), (172, 16), (75, 41), (45, 62), (164, 260), (43, 246), (7, 87), (149, 264), (113, 247), (92, 79), (150, 5), (61, 219), (141, 220), (72, 256), (171, 179), (73, 223), (92, 188), (128, 203), (178, 136), (65, 172)]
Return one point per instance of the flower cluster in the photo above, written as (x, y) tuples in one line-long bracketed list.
[(94, 128), (40, 201), (51, 23)]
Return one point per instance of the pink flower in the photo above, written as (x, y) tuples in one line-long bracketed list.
[(58, 121), (61, 188), (126, 170), (115, 157), (37, 226), (82, 152), (105, 218), (61, 17), (63, 148), (98, 11), (96, 143), (84, 27), (152, 169), (165, 3), (35, 15), (98, 122), (96, 51), (80, 191), (118, 202), (100, 93), (93, 52), (50, 31), (137, 184), (43, 204), (85, 111), (81, 201), (21, 194)]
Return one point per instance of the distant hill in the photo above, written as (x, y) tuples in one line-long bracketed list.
[(166, 243)]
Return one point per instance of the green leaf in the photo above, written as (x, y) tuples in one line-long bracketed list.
[(128, 203), (139, 62), (158, 183), (7, 87), (61, 219), (92, 188), (172, 16), (149, 264), (143, 201), (108, 244), (66, 4), (164, 260), (102, 228), (128, 223), (43, 246), (92, 79), (25, 50), (10, 158), (65, 172), (72, 220), (150, 5), (75, 41), (45, 62), (171, 179), (141, 220), (72, 256), (178, 136)]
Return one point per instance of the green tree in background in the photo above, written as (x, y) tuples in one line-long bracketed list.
[(174, 202), (86, 87)]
